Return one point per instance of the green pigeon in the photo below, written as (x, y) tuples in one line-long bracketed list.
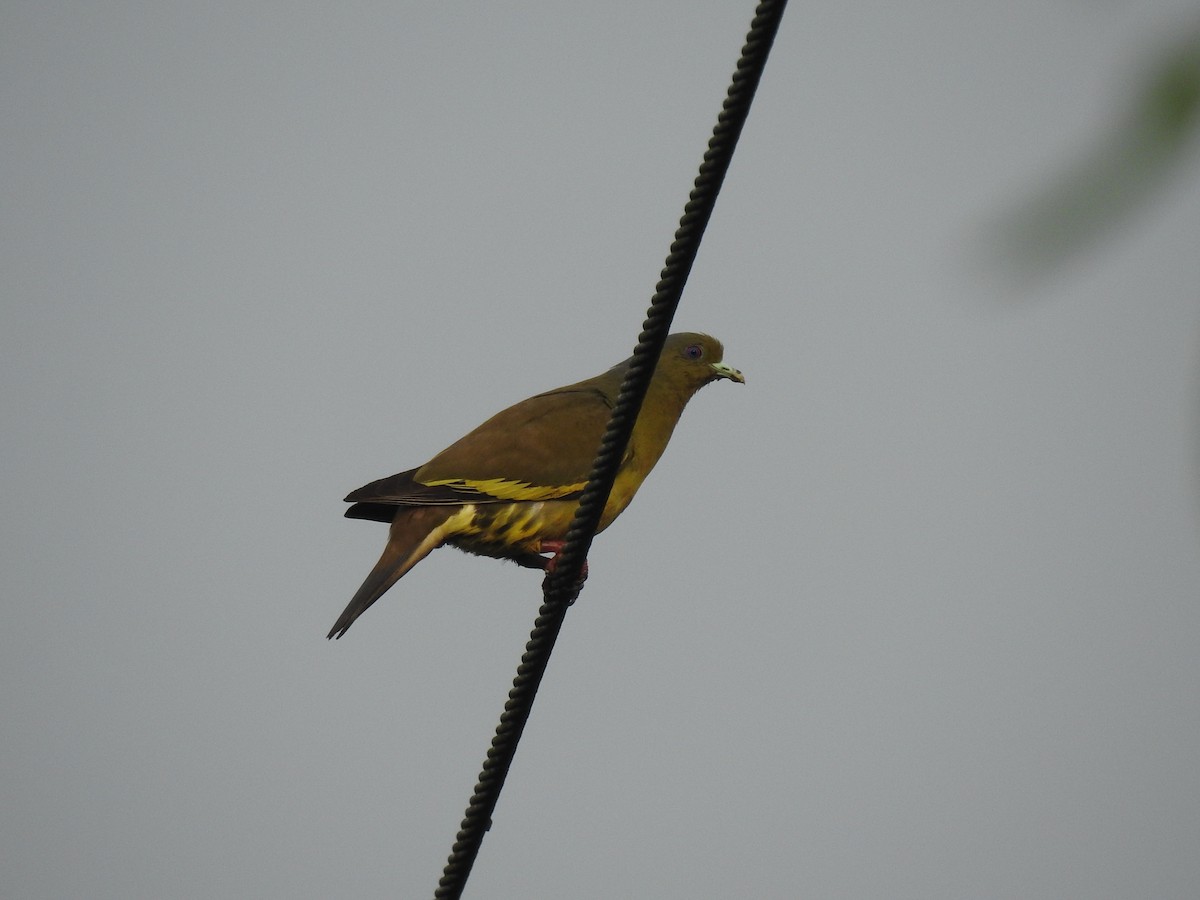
[(509, 489)]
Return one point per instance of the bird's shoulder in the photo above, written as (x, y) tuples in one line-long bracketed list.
[(545, 443)]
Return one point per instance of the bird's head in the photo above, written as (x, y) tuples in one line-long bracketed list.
[(691, 361)]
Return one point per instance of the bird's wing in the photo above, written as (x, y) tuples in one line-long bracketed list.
[(540, 449)]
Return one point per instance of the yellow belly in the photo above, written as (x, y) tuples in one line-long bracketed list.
[(506, 529)]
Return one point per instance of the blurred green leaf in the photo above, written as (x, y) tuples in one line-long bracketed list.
[(1127, 168)]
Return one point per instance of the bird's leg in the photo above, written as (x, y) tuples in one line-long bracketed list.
[(547, 564), (556, 548), (530, 560)]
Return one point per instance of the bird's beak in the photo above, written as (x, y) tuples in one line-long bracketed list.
[(724, 371)]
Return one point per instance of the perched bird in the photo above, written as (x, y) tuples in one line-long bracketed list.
[(509, 489)]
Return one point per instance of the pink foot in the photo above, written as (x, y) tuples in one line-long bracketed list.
[(556, 547)]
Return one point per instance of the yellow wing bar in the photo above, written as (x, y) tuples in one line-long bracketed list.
[(503, 489)]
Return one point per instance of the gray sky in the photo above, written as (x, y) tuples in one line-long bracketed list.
[(913, 614)]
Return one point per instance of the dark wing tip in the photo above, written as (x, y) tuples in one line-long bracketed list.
[(373, 512)]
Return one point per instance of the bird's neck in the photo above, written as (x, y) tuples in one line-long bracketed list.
[(659, 414)]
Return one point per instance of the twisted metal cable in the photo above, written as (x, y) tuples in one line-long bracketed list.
[(563, 584)]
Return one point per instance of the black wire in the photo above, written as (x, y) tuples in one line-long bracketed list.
[(562, 586)]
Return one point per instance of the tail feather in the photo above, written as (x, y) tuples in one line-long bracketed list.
[(415, 532)]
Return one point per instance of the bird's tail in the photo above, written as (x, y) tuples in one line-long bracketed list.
[(415, 532)]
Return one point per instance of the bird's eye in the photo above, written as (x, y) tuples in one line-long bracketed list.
[(694, 351)]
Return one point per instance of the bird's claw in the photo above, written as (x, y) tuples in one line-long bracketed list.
[(556, 547)]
